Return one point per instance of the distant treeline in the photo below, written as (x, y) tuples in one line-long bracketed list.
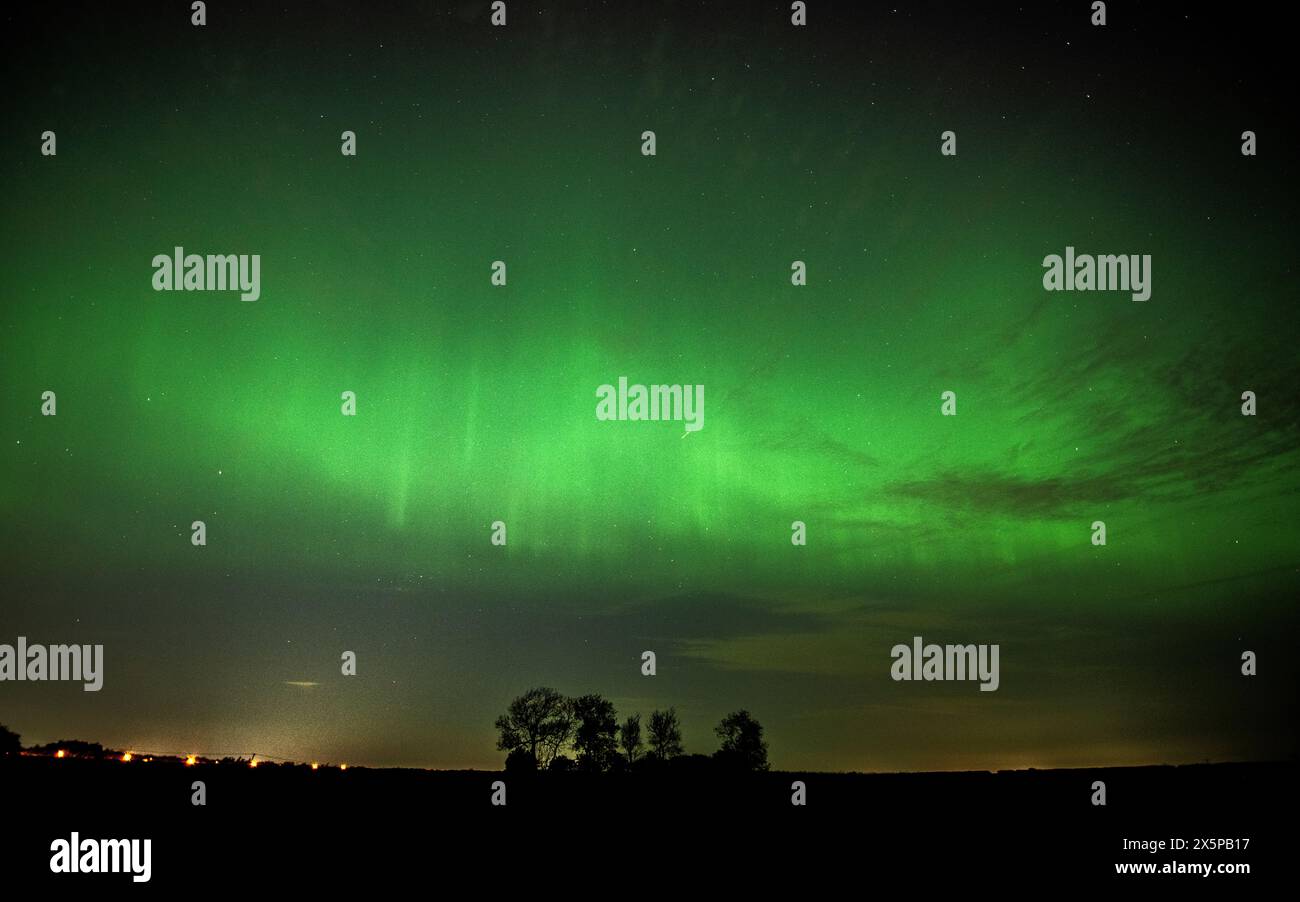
[(11, 745)]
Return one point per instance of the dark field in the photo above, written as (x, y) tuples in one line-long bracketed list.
[(331, 825)]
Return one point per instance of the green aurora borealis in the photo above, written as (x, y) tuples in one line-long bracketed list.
[(476, 403)]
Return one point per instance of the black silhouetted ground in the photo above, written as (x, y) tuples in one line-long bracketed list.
[(277, 825)]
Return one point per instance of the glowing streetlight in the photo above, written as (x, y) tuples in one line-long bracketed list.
[(315, 766), (59, 754), (191, 760), (127, 756), (343, 767)]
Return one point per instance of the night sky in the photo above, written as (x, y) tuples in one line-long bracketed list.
[(476, 403)]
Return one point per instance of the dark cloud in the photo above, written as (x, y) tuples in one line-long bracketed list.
[(707, 615)]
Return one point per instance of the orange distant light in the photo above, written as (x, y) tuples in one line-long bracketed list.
[(314, 765), (127, 756), (59, 754), (190, 759), (341, 766), (253, 763)]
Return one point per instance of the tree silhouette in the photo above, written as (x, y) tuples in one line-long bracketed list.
[(520, 761), (539, 723), (561, 764), (594, 738), (10, 742), (630, 738), (665, 734), (743, 747)]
